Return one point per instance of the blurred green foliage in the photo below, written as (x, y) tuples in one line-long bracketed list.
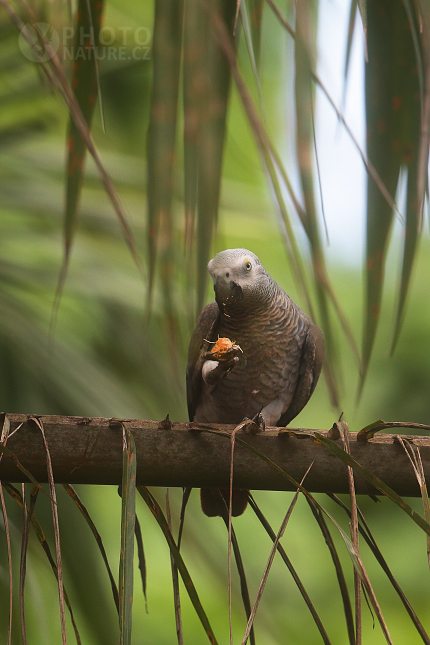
[(103, 357)]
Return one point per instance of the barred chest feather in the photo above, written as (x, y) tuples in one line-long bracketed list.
[(266, 376)]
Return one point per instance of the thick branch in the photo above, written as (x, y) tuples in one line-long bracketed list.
[(89, 451)]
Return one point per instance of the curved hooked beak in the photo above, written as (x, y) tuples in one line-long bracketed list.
[(226, 291)]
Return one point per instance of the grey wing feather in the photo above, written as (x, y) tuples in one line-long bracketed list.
[(204, 331), (311, 361)]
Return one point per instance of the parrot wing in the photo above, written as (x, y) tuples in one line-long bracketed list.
[(204, 331), (311, 361)]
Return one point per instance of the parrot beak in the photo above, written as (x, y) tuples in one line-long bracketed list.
[(226, 291)]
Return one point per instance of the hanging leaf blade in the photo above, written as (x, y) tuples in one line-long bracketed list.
[(128, 516)]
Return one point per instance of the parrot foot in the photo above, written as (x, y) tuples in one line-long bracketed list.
[(253, 426), (215, 371), (260, 421)]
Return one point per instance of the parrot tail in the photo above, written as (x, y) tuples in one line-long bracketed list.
[(215, 501)]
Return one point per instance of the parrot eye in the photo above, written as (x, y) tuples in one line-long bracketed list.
[(248, 265)]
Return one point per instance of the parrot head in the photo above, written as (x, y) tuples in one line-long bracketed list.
[(238, 275)]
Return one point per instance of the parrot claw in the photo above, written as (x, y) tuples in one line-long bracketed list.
[(227, 366), (260, 422), (214, 371), (255, 425)]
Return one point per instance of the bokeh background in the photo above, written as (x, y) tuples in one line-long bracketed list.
[(102, 356)]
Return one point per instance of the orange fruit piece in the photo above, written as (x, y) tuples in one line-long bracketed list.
[(224, 349)]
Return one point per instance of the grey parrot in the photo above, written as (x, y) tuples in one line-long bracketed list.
[(279, 364)]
